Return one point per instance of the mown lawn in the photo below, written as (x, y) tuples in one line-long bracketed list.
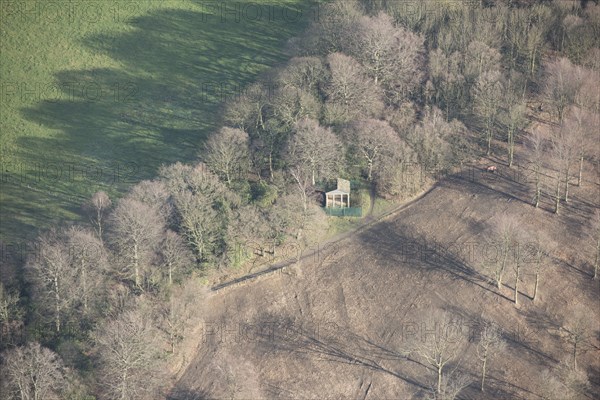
[(97, 95)]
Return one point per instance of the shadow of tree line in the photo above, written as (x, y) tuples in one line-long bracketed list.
[(175, 69)]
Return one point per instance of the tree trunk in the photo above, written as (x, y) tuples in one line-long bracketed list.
[(57, 305), (483, 372), (85, 289), (511, 147), (271, 164), (580, 170), (170, 274), (597, 260), (489, 141), (124, 385), (517, 284), (99, 220), (567, 185), (537, 188), (136, 266), (575, 355), (439, 382), (557, 196), (535, 288)]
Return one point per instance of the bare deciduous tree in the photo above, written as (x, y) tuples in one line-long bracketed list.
[(506, 229), (441, 349), (583, 125), (576, 329), (52, 276), (11, 316), (564, 149), (315, 149), (202, 205), (595, 234), (154, 194), (33, 372), (487, 93), (392, 56), (536, 147), (336, 23), (452, 385), (304, 73), (350, 93), (174, 255), (98, 206), (375, 142), (89, 260), (226, 153), (514, 119), (127, 351), (248, 111), (136, 232), (563, 81), (290, 105), (490, 343), (180, 311)]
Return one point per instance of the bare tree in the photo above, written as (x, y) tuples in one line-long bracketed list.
[(350, 93), (89, 260), (564, 148), (202, 205), (506, 228), (33, 372), (582, 124), (52, 276), (490, 344), (315, 149), (514, 118), (291, 104), (136, 232), (448, 80), (432, 140), (303, 73), (174, 255), (487, 93), (576, 329), (181, 311), (537, 250), (595, 234), (127, 353), (480, 58), (452, 385), (563, 81), (375, 141), (392, 56), (155, 195), (226, 153), (98, 207), (535, 144), (248, 111), (441, 349), (336, 22), (11, 316)]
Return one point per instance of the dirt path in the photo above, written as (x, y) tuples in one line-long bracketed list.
[(368, 222)]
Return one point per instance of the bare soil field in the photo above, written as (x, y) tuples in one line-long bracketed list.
[(343, 324)]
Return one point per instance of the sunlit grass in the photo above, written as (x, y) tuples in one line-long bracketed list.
[(98, 98)]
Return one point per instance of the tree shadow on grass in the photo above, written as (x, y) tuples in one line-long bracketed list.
[(175, 69)]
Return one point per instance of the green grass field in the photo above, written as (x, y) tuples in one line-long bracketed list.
[(97, 95)]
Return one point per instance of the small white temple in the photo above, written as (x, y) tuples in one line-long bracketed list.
[(340, 197)]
